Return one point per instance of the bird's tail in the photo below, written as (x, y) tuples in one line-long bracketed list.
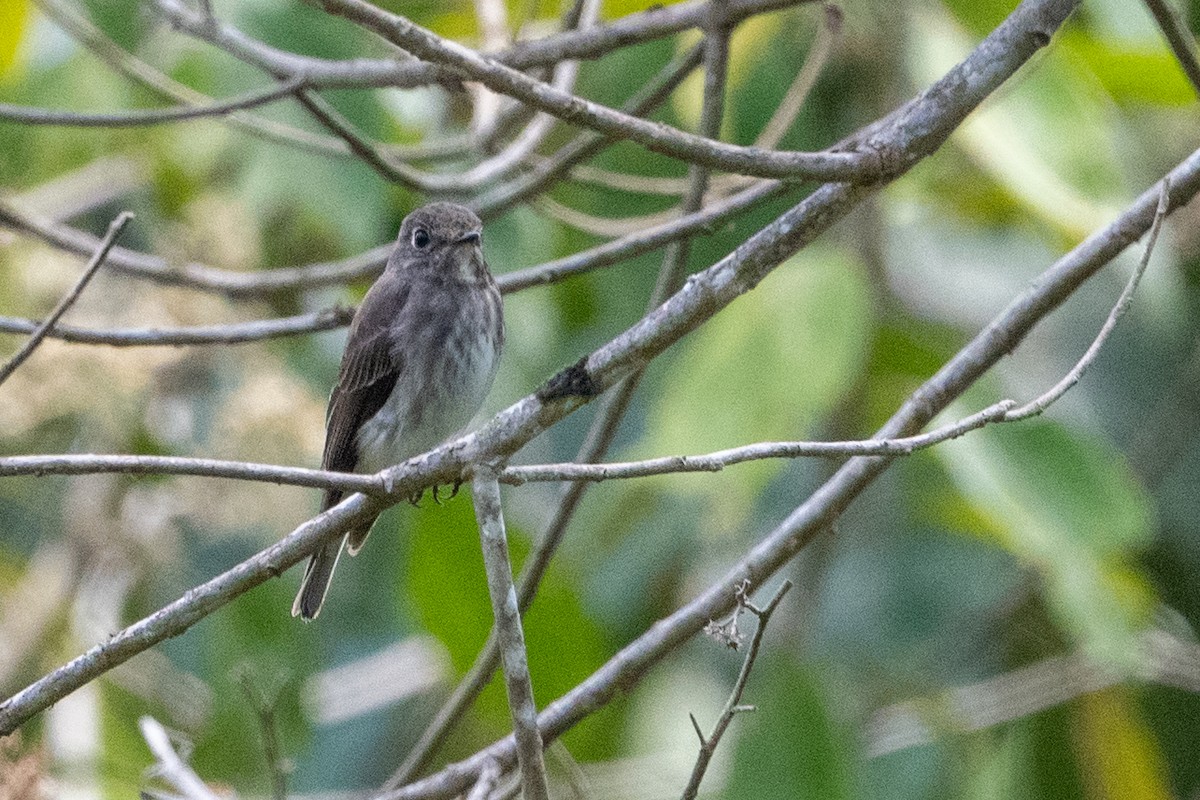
[(319, 572), (315, 584)]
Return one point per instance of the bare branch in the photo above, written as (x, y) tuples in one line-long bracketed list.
[(596, 42), (232, 333), (715, 462), (130, 119), (169, 765), (708, 746), (660, 138), (31, 344), (1041, 403), (485, 491), (88, 464)]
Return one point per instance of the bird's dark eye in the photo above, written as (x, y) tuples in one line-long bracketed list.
[(420, 238)]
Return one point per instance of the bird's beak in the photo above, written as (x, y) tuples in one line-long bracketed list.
[(474, 237)]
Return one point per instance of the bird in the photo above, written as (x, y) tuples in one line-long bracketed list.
[(421, 356)]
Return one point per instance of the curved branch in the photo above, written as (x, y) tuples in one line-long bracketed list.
[(471, 65), (93, 463), (26, 115), (232, 333), (362, 73)]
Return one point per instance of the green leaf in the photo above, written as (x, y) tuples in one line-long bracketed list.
[(768, 367), (1116, 751), (1142, 75), (1069, 508), (448, 587), (792, 746), (14, 16)]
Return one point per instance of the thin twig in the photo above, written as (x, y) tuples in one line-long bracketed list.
[(169, 765), (264, 709), (326, 319), (717, 461), (485, 491), (26, 115), (708, 745), (1178, 37), (89, 463), (1041, 403), (362, 73), (31, 344)]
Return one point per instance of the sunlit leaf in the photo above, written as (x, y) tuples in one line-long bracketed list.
[(1118, 756), (14, 16), (767, 368), (1150, 75)]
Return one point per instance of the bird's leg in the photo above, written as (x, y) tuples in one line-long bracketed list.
[(415, 498)]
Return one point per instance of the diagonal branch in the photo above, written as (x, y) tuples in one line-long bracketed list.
[(68, 300)]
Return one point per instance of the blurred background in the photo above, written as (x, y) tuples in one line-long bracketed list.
[(991, 619)]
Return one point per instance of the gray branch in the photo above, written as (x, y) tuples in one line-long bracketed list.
[(485, 491), (26, 115), (231, 333), (362, 73), (68, 300), (468, 64)]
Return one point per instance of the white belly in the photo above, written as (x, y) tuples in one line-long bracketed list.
[(425, 410)]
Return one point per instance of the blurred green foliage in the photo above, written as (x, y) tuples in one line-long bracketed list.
[(1073, 532)]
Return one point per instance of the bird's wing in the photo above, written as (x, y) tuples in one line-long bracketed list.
[(370, 368)]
